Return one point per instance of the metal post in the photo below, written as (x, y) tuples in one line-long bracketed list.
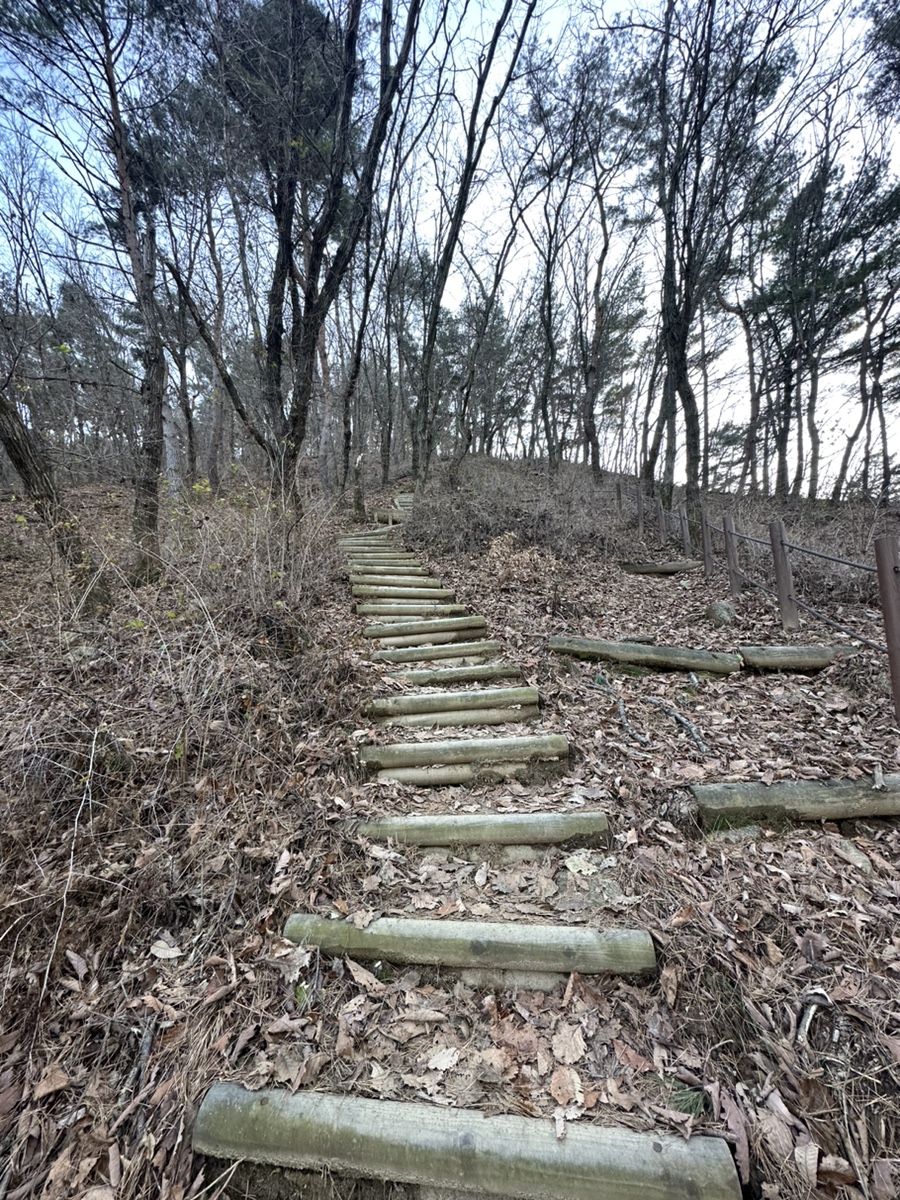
[(685, 531), (784, 583), (887, 560), (731, 554), (706, 539)]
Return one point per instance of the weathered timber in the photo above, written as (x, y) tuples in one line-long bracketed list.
[(465, 750), (455, 775), (464, 717), (439, 676), (435, 625), (390, 592), (413, 608), (459, 1151), (398, 580), (389, 514), (508, 946), (665, 658), (387, 568), (430, 702), (498, 829), (803, 800), (663, 568), (461, 651), (438, 638), (792, 658)]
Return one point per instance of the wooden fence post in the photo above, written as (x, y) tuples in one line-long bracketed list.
[(731, 554), (790, 617), (661, 520), (640, 507), (685, 532), (887, 560), (619, 494), (706, 540)]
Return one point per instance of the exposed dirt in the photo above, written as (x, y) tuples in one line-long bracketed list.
[(179, 778)]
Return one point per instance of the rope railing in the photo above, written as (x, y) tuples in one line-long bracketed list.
[(831, 558)]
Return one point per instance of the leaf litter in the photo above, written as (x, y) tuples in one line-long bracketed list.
[(775, 1019)]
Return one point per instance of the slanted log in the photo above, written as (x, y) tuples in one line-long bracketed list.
[(661, 658), (433, 625), (455, 1151), (390, 592), (793, 658), (801, 800), (440, 676), (464, 750), (498, 829), (432, 702), (663, 568), (512, 946), (460, 650)]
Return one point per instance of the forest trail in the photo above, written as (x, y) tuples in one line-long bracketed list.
[(425, 644)]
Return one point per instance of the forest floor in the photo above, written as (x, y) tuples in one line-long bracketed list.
[(178, 777)]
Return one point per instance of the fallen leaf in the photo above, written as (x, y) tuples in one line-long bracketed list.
[(630, 1058), (807, 1159), (53, 1079), (443, 1059), (79, 964), (163, 950), (568, 1044), (366, 979)]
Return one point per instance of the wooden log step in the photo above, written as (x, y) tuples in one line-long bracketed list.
[(389, 569), (506, 946), (389, 515), (663, 568), (441, 676), (801, 800), (438, 638), (457, 1151), (496, 829), (383, 555), (371, 542), (465, 750), (461, 651), (454, 776), (429, 625), (666, 658), (793, 658), (405, 498), (412, 608), (432, 702), (398, 580), (391, 592), (460, 718), (365, 535)]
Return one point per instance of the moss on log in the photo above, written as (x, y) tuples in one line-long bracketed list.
[(465, 750), (507, 946), (792, 658), (666, 658), (459, 1151), (802, 800), (498, 829)]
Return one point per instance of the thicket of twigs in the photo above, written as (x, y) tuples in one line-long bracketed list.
[(178, 775)]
